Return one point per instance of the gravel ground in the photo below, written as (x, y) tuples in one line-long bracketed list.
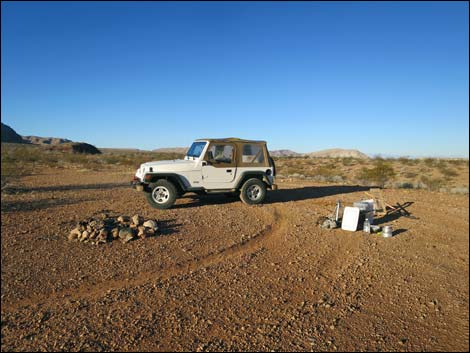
[(227, 276)]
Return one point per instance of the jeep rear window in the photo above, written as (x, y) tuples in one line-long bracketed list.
[(196, 149), (252, 154)]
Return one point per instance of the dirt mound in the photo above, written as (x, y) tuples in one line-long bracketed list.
[(76, 147), (10, 135)]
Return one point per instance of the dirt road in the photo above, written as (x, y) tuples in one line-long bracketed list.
[(226, 276)]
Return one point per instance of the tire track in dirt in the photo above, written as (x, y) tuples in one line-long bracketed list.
[(260, 239)]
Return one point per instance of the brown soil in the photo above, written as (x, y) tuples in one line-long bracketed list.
[(227, 276)]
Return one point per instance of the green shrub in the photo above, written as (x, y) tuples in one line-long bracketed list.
[(433, 184), (380, 174)]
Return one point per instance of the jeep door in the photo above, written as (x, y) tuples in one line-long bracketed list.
[(219, 166)]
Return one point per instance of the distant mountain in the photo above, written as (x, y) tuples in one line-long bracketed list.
[(283, 153), (74, 147), (10, 135), (36, 140), (180, 150), (337, 153)]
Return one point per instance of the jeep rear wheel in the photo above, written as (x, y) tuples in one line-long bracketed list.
[(162, 194), (253, 191)]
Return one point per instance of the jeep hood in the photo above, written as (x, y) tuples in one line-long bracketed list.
[(175, 165)]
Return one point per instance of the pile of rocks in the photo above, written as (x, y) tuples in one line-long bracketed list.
[(104, 229)]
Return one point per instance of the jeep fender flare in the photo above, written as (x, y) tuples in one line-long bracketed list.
[(248, 175), (176, 179)]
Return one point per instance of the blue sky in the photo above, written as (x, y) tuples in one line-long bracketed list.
[(389, 78)]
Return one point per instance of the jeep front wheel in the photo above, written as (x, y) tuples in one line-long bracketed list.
[(162, 194), (253, 191)]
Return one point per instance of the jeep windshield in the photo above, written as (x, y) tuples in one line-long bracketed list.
[(196, 149)]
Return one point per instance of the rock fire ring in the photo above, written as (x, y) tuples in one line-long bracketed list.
[(104, 229)]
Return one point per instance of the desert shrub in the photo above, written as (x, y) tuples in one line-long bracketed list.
[(410, 175), (430, 162), (405, 185), (328, 173), (458, 162), (348, 161), (433, 184), (325, 171), (18, 160), (407, 161), (448, 173), (380, 174), (445, 170)]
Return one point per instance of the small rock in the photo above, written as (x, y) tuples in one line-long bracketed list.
[(137, 220), (329, 224), (74, 234), (151, 224), (142, 234), (128, 238), (122, 219), (126, 234), (85, 234), (115, 233), (102, 237)]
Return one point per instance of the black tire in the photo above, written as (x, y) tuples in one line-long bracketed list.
[(164, 197), (253, 191)]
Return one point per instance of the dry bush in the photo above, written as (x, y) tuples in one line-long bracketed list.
[(430, 162), (407, 161), (448, 173), (433, 184), (410, 175), (380, 174), (23, 159), (348, 161)]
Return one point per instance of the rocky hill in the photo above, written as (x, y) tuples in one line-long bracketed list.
[(45, 140), (10, 135), (74, 147), (283, 153), (338, 153)]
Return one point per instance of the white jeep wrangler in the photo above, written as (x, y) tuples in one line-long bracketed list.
[(231, 166)]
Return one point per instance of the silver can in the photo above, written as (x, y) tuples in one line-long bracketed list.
[(387, 231)]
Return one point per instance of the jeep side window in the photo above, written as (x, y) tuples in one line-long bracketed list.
[(220, 153), (252, 154)]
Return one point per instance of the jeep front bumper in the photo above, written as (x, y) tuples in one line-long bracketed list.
[(137, 184)]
